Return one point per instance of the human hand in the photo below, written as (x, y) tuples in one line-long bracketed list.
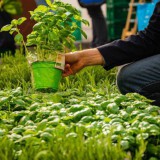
[(73, 63)]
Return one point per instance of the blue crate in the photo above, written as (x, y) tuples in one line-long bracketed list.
[(144, 12), (155, 1)]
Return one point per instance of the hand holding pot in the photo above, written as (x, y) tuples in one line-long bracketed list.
[(75, 61)]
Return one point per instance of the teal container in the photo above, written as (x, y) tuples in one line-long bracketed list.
[(115, 29), (117, 2), (45, 77), (77, 33), (116, 12)]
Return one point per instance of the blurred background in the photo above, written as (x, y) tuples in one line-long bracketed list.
[(123, 18), (84, 13)]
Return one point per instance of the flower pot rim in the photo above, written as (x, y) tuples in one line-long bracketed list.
[(53, 62)]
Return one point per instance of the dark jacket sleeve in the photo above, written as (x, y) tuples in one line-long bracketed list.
[(146, 43)]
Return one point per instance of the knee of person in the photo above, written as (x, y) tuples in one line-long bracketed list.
[(122, 82)]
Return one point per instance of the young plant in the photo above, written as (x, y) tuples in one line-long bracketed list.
[(52, 32), (13, 28)]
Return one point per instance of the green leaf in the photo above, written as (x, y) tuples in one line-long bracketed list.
[(6, 27), (49, 2), (84, 34), (78, 18), (31, 39), (18, 38), (13, 30), (13, 7), (85, 22), (14, 22), (21, 20), (37, 25), (40, 9), (67, 44), (4, 100), (31, 36), (10, 9), (30, 43)]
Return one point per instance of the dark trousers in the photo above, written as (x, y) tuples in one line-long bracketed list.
[(142, 77), (99, 26)]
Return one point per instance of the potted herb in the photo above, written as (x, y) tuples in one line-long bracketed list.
[(52, 36)]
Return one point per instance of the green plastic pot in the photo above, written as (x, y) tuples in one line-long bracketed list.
[(45, 77)]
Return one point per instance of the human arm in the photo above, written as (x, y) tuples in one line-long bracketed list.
[(146, 43), (75, 61)]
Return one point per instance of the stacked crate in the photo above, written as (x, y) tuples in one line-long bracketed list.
[(117, 11), (131, 21), (144, 12), (77, 32)]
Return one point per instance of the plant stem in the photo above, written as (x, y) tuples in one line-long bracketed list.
[(23, 43), (1, 4)]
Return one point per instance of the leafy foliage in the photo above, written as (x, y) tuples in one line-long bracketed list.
[(54, 27), (78, 125), (53, 30), (12, 7)]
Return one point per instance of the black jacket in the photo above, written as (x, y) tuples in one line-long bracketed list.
[(146, 43)]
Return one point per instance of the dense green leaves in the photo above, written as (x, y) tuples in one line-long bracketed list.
[(54, 27), (53, 30), (95, 123), (37, 117)]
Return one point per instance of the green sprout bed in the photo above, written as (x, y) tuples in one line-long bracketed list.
[(87, 119)]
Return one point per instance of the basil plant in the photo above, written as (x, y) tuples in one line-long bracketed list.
[(53, 29)]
